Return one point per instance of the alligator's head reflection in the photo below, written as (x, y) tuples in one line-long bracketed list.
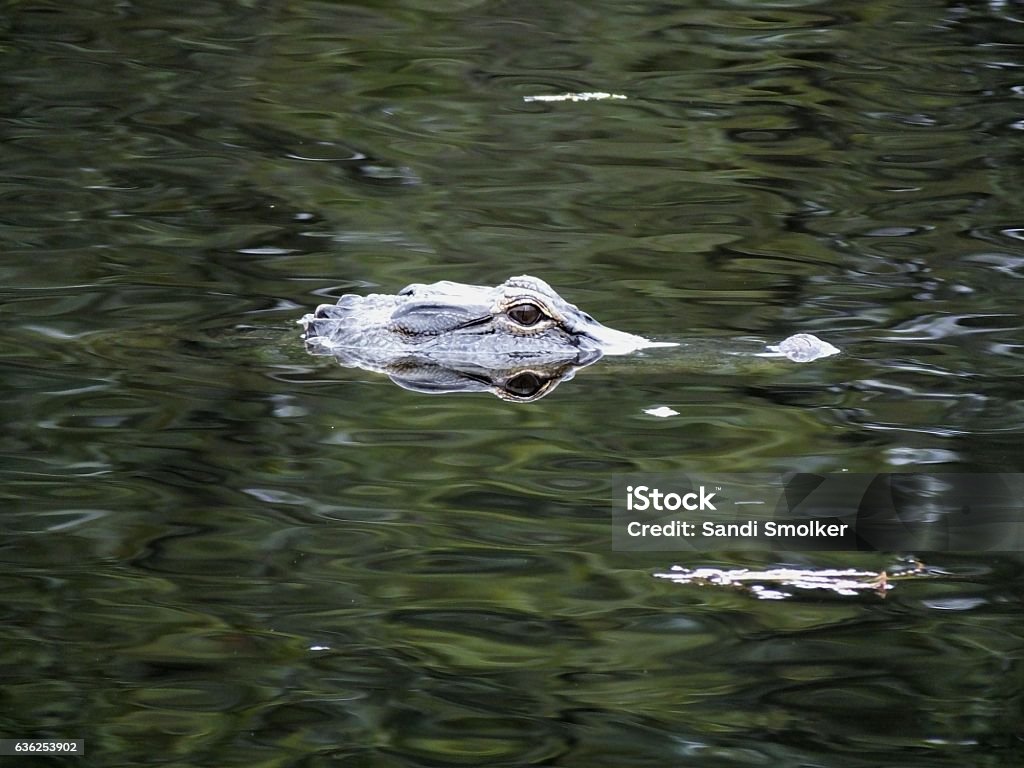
[(518, 384)]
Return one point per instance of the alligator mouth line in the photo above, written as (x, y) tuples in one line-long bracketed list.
[(477, 321)]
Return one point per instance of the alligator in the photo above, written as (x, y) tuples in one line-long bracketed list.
[(517, 340)]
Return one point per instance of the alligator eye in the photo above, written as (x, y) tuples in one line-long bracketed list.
[(526, 314)]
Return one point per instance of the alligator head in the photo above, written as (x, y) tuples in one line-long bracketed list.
[(521, 321), (517, 340)]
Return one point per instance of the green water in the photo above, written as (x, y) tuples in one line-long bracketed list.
[(216, 550)]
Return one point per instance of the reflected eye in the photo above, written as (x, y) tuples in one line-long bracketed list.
[(526, 384), (526, 314)]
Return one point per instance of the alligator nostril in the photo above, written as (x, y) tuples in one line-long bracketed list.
[(333, 311), (346, 305)]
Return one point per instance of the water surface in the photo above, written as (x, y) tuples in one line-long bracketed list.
[(218, 550)]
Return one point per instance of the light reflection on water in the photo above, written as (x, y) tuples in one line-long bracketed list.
[(216, 547)]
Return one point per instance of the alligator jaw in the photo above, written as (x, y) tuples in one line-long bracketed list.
[(432, 318)]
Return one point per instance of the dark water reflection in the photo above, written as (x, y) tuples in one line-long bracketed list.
[(218, 550)]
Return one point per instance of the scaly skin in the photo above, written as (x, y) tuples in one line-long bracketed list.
[(521, 320)]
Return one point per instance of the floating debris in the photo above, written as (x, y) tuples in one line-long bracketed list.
[(586, 96), (765, 585), (662, 412), (801, 348)]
